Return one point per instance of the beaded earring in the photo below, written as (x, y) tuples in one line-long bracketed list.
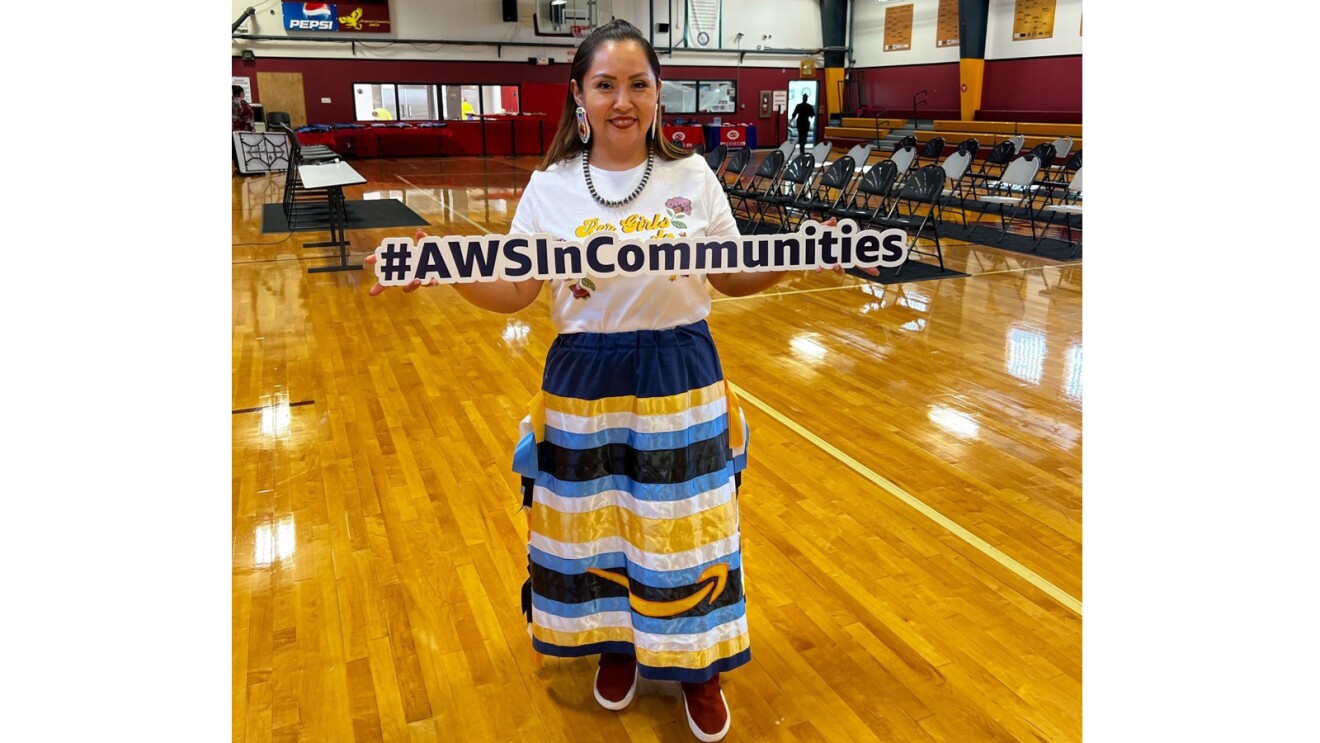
[(584, 126), (655, 125)]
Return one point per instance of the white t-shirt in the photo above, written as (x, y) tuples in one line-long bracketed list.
[(682, 198)]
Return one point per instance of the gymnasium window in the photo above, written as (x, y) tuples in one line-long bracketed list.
[(500, 99), (417, 102), (679, 96), (716, 97), (698, 96), (371, 99), (454, 96), (431, 102)]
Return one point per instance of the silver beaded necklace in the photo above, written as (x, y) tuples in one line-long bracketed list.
[(586, 171)]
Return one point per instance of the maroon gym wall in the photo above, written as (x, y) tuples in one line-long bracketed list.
[(1049, 84), (1048, 87)]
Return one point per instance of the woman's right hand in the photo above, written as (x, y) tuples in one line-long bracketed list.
[(411, 286)]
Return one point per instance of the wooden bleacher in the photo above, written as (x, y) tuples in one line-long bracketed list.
[(993, 132), (863, 129)]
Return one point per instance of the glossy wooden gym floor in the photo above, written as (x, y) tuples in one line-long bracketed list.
[(912, 513)]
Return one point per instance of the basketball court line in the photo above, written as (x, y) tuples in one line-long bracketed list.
[(484, 229), (768, 294), (1017, 568), (260, 408)]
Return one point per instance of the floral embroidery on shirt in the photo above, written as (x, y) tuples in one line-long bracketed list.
[(582, 288), (678, 208)]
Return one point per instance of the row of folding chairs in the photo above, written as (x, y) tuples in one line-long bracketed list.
[(789, 190), (789, 193), (298, 200), (1020, 187), (934, 149)]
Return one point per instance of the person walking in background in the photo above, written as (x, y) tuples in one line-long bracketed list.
[(803, 114)]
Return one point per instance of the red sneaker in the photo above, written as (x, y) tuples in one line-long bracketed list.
[(616, 680), (707, 711)]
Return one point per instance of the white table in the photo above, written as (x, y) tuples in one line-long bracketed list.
[(331, 178), (330, 175)]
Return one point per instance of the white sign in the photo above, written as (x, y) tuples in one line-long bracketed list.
[(704, 18), (246, 84), (459, 259)]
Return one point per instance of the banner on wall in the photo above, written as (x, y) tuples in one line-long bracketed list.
[(946, 25), (1033, 19), (898, 28), (364, 16), (705, 21)]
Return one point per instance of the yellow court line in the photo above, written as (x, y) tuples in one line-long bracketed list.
[(484, 229), (1025, 268), (989, 550), (766, 295)]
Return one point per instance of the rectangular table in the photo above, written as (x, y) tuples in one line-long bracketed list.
[(332, 177), (735, 136), (684, 136)]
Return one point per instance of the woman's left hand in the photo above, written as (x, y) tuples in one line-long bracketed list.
[(831, 222)]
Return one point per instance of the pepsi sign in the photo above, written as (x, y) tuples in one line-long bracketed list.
[(310, 17)]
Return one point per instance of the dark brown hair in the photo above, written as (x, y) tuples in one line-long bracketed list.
[(566, 143)]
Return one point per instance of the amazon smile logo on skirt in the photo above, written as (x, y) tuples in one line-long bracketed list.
[(718, 572)]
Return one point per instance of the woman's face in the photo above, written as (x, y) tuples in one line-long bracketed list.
[(620, 93)]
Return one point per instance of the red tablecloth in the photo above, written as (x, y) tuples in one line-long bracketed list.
[(738, 135), (381, 141), (307, 139), (684, 136), (410, 142)]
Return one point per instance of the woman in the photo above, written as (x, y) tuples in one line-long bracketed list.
[(632, 453)]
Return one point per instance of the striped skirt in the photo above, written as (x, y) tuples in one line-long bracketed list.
[(631, 458)]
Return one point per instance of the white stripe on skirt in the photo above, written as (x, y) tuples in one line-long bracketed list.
[(644, 508), (648, 560), (665, 423), (688, 643)]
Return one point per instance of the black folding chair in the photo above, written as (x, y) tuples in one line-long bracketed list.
[(792, 187), (715, 158), (1045, 152), (736, 165), (870, 199), (1072, 165), (921, 189), (835, 181), (763, 182), (932, 150), (992, 167), (297, 198), (1068, 206)]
